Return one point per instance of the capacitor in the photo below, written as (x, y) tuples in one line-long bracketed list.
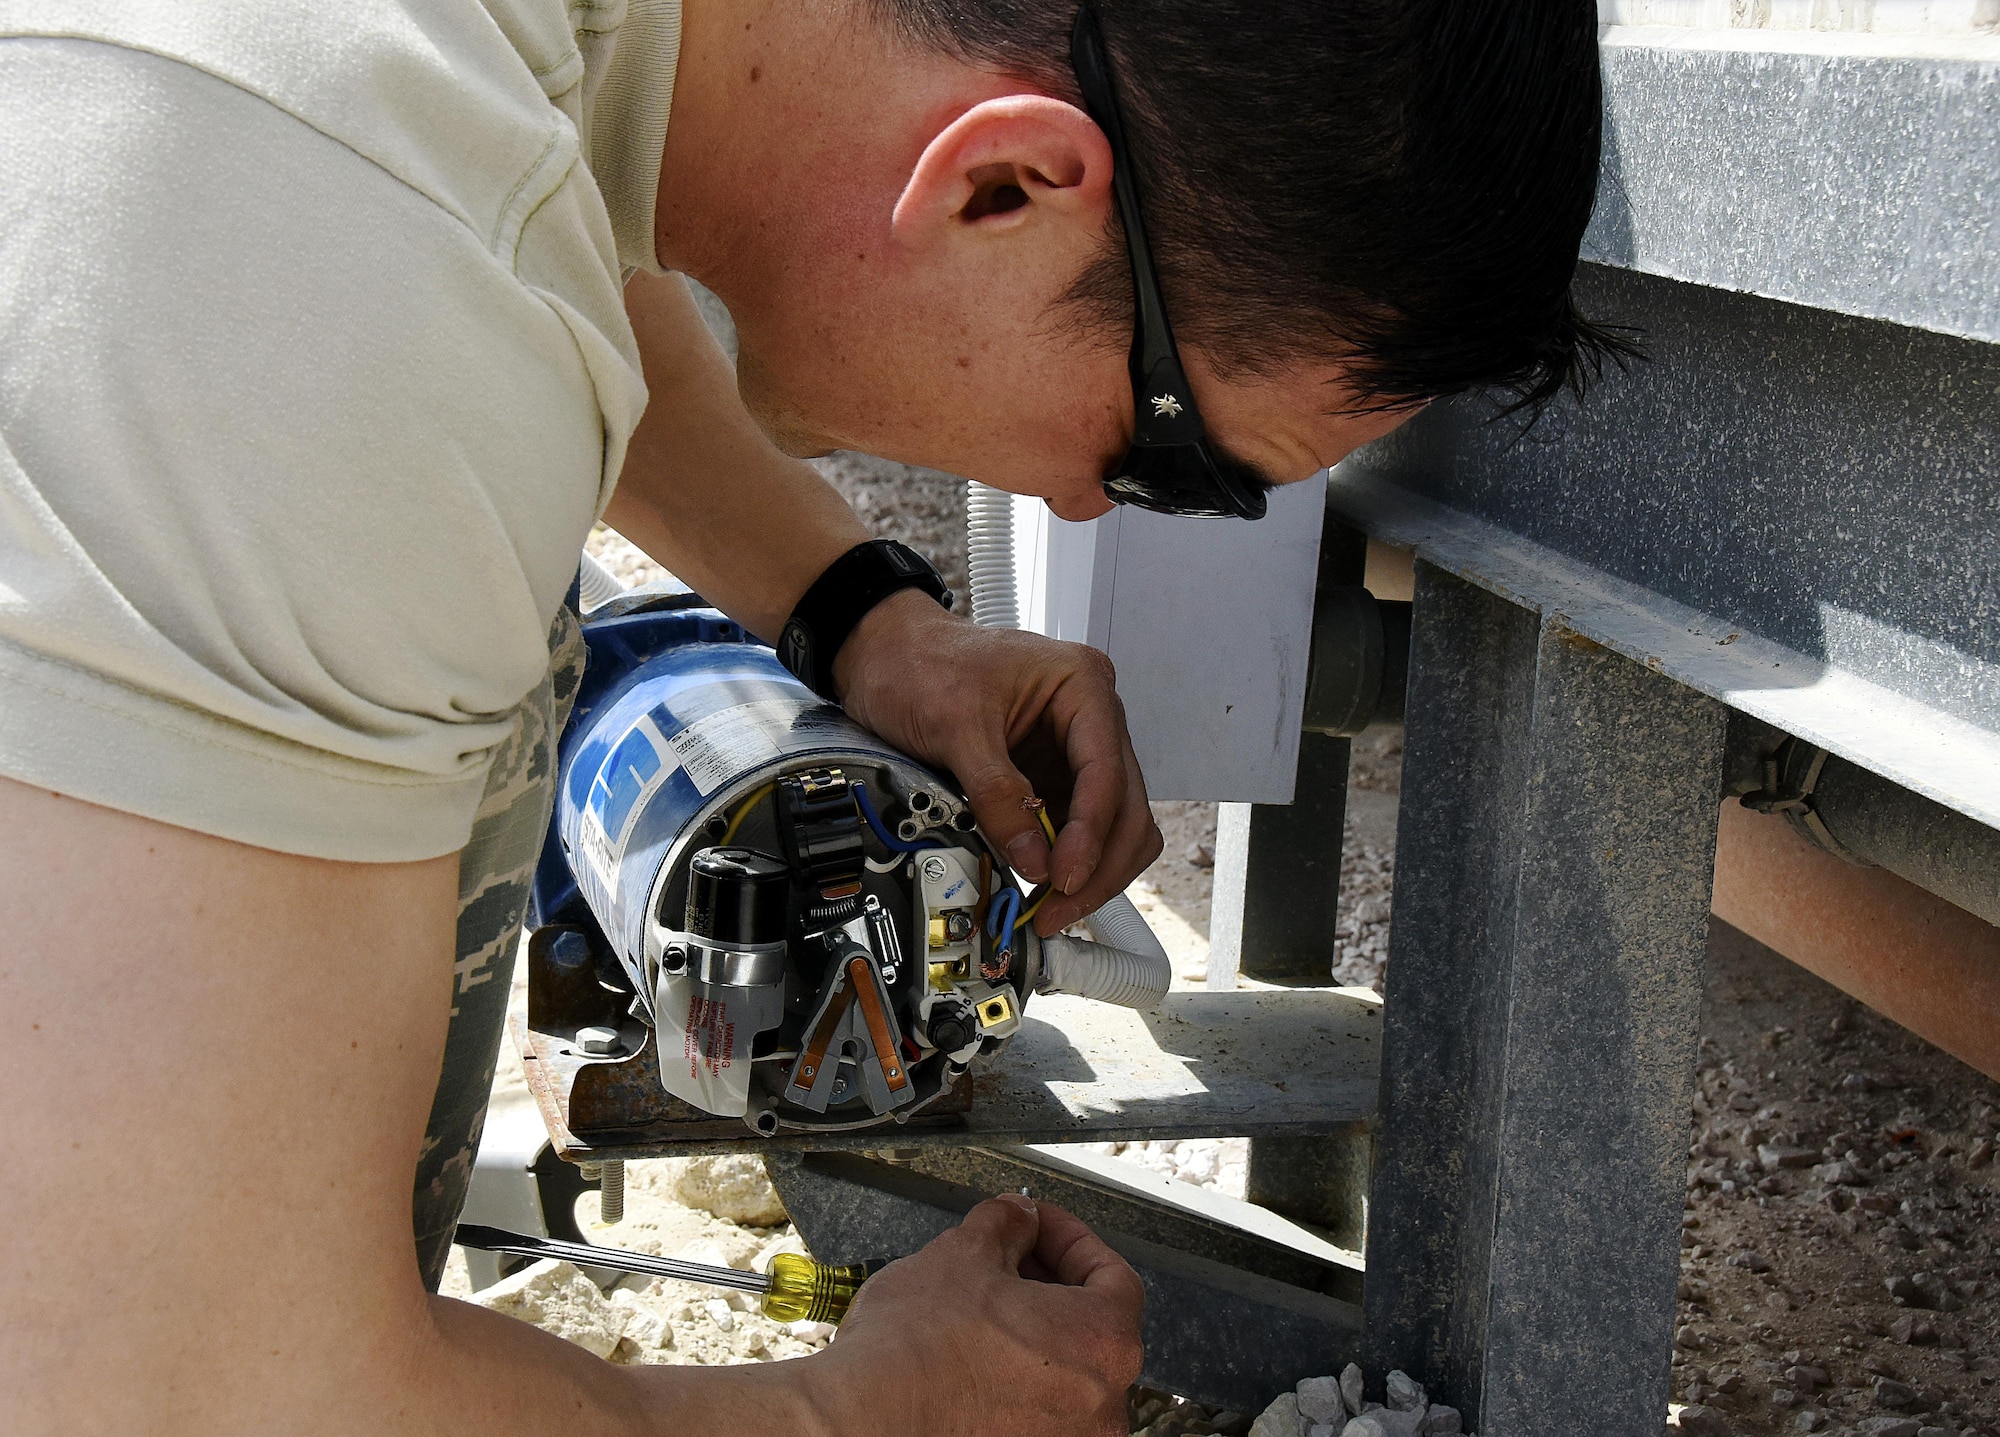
[(737, 897), (722, 981)]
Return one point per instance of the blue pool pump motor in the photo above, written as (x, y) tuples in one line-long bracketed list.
[(810, 921)]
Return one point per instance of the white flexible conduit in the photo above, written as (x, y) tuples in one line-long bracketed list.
[(1108, 974), (1119, 924), (1127, 964), (989, 556), (596, 584)]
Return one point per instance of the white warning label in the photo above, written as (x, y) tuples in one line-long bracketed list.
[(711, 1037)]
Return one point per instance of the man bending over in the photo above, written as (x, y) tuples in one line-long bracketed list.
[(326, 333)]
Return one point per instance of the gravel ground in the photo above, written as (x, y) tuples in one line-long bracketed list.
[(1841, 1258), (921, 507), (679, 1207), (1841, 1252)]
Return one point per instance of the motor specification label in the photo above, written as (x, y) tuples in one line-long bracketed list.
[(729, 742)]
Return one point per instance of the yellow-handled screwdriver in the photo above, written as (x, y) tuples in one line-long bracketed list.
[(796, 1288)]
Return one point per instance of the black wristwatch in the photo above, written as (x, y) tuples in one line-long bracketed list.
[(852, 585)]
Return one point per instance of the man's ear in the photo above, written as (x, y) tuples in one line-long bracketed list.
[(1003, 163)]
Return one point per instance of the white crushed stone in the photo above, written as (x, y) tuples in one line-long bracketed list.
[(1281, 1419), (558, 1298), (1219, 1164), (731, 1186), (626, 561), (1406, 1394), (645, 1328), (1361, 922), (790, 1241), (1333, 1407), (1319, 1400)]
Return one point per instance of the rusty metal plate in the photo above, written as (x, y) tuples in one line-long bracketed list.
[(1250, 1063)]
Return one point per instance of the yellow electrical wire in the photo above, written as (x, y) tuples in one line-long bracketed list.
[(1050, 830), (742, 813)]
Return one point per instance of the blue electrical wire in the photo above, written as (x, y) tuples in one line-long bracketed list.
[(874, 822), (1008, 903)]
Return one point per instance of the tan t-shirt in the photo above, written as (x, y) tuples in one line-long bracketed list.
[(314, 373)]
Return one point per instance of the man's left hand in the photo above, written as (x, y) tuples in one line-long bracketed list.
[(1018, 719)]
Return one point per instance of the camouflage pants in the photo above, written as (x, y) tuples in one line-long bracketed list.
[(493, 877)]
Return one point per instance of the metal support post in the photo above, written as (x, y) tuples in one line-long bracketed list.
[(1540, 1021), (1321, 1181), (1277, 876), (1277, 866)]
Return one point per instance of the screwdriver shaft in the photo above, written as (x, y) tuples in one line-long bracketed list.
[(494, 1239)]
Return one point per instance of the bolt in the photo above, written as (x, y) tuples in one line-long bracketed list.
[(569, 950), (611, 1192), (599, 1042), (934, 869)]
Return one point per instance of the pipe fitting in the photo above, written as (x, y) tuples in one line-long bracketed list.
[(1360, 661), (1862, 817)]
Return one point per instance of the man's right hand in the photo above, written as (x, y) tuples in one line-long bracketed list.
[(1020, 1322)]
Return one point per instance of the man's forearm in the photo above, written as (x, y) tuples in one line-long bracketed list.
[(704, 491), (494, 1374)]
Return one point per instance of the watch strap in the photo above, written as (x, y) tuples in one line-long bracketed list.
[(841, 597)]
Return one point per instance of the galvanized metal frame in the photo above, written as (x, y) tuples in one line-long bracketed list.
[(1792, 509), (1553, 873)]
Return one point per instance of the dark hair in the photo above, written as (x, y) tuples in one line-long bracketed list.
[(1403, 181)]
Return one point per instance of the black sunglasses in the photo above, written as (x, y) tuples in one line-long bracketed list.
[(1171, 467)]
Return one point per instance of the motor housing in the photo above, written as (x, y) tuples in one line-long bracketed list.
[(802, 914)]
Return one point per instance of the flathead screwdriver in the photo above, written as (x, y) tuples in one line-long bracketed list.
[(796, 1288)]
